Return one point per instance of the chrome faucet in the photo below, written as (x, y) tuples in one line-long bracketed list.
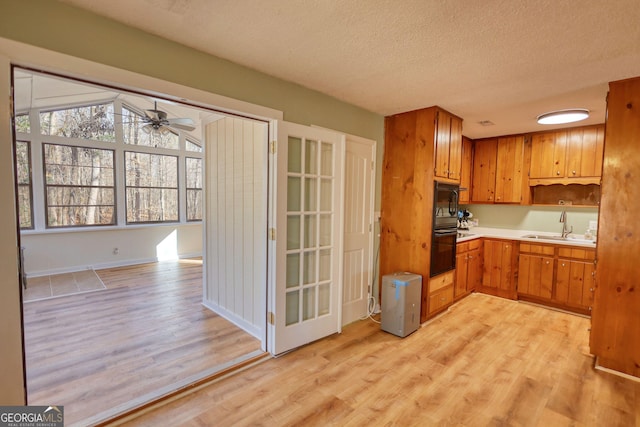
[(563, 220)]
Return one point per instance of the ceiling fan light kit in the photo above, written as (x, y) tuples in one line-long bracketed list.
[(563, 116)]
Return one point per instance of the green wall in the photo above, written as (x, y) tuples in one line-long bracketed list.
[(532, 218), (59, 27)]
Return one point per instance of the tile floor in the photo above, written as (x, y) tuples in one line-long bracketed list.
[(56, 285)]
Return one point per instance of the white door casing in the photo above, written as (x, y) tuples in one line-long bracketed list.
[(308, 169), (358, 227)]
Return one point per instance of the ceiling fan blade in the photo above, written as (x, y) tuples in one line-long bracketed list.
[(182, 123)]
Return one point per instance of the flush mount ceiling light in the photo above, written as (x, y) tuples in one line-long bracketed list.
[(563, 116)]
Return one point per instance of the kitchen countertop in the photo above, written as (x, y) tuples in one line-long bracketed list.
[(510, 234)]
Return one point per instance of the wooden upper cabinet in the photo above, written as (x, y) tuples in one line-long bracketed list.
[(509, 169), (498, 170), (567, 154), (483, 178), (548, 155), (448, 146), (585, 152), (465, 171)]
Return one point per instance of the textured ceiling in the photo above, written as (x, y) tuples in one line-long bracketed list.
[(506, 61)]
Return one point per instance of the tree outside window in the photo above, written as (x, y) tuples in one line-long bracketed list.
[(79, 186), (194, 189), (23, 176), (151, 187)]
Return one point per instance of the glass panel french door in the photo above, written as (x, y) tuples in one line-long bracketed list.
[(309, 235)]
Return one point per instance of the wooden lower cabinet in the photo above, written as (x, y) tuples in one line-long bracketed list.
[(535, 271), (557, 275), (499, 268), (468, 267), (440, 292)]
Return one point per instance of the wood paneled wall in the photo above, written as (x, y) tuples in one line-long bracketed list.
[(615, 332), (407, 196), (236, 221)]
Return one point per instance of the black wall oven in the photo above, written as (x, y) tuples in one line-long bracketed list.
[(445, 230)]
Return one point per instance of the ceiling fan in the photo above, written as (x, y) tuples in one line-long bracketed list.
[(156, 121)]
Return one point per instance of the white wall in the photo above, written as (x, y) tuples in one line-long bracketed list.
[(57, 252), (236, 222)]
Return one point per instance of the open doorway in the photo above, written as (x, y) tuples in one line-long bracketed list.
[(114, 219)]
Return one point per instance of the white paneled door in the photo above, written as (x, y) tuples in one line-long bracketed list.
[(358, 227), (308, 246)]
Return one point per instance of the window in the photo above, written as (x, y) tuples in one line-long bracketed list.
[(151, 187), (135, 132), (79, 186), (25, 191), (23, 125), (193, 146), (91, 122), (194, 189)]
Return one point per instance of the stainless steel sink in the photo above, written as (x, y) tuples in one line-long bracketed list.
[(541, 236), (560, 238)]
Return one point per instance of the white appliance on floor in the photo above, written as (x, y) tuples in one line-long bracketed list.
[(401, 293)]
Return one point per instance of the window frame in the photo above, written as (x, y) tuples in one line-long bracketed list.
[(41, 111), (187, 188), (45, 187), (36, 140), (29, 185), (126, 188)]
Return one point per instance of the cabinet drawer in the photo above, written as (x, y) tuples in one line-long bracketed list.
[(440, 299), (577, 253), (474, 244), (462, 247), (439, 282), (536, 249)]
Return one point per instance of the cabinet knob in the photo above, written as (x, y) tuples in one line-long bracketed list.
[(469, 257), (590, 289), (547, 262), (563, 264), (557, 172), (573, 172), (442, 299)]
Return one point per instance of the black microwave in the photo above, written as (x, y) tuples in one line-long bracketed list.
[(445, 205)]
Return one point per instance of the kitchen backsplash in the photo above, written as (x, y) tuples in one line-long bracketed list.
[(533, 218)]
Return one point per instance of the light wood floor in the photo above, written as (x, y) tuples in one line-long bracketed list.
[(95, 351), (488, 362)]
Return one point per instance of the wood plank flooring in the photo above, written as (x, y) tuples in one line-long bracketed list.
[(487, 362), (95, 351)]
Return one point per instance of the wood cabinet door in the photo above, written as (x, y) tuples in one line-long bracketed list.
[(483, 180), (548, 154), (574, 283), (585, 152), (455, 149), (535, 276), (509, 169), (474, 269), (465, 170), (497, 269), (441, 144), (461, 274)]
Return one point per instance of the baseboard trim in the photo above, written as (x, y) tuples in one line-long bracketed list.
[(614, 372), (101, 266)]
